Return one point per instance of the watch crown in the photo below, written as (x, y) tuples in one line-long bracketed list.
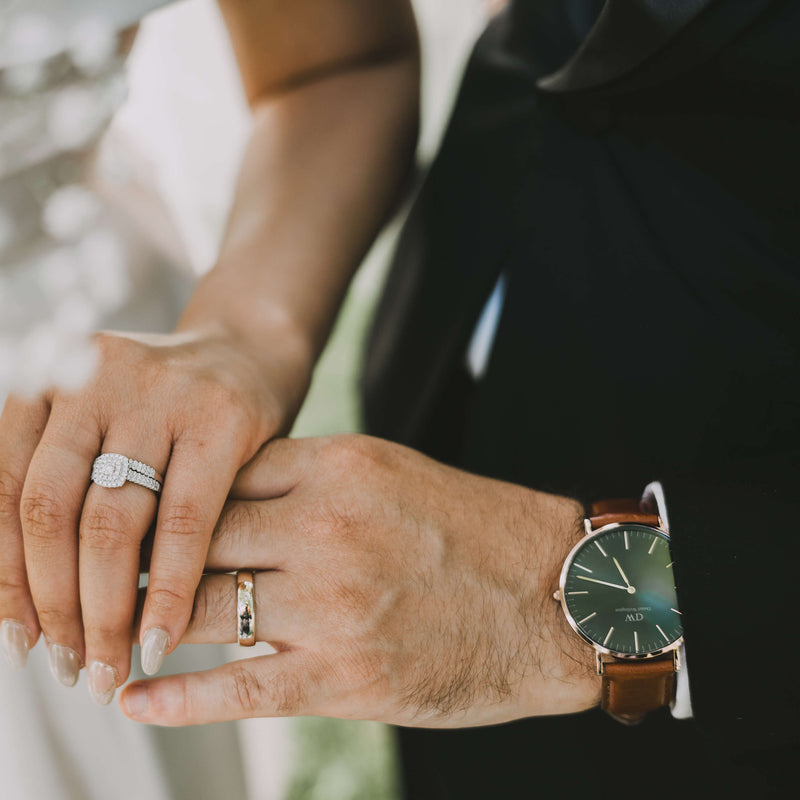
[(557, 595)]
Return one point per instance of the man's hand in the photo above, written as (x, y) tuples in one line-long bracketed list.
[(196, 408), (393, 588)]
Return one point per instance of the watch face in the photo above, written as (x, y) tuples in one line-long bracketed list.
[(618, 590)]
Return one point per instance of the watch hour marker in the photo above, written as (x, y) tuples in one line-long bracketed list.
[(577, 592), (601, 549), (585, 619), (627, 543), (650, 551), (580, 566), (636, 640), (676, 611), (670, 564), (608, 635), (666, 638)]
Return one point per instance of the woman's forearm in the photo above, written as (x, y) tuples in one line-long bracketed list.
[(324, 167)]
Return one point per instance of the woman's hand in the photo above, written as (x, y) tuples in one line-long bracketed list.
[(196, 407), (393, 588)]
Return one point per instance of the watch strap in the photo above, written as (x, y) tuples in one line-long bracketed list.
[(632, 688), (606, 512)]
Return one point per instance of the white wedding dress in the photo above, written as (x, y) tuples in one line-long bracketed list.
[(55, 743)]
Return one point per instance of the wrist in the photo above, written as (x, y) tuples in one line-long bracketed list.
[(567, 681)]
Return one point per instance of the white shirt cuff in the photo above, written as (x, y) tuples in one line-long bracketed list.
[(681, 707)]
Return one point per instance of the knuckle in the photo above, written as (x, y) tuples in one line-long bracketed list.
[(52, 618), (42, 514), (180, 519), (211, 610), (360, 447), (165, 598), (346, 452), (246, 691), (10, 494), (105, 526), (13, 582), (358, 454), (106, 635), (237, 518)]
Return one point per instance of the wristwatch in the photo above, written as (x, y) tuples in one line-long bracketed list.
[(618, 593)]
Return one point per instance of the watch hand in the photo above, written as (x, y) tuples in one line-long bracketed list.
[(605, 583), (624, 576)]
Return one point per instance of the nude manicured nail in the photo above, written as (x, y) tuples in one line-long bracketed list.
[(65, 664), (15, 642), (102, 682), (154, 647)]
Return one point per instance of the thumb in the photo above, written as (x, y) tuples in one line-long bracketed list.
[(267, 686)]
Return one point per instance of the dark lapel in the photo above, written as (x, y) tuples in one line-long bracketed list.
[(626, 34)]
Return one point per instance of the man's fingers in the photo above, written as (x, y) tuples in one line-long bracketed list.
[(214, 614), (21, 426), (278, 685), (276, 469), (50, 508), (255, 534), (195, 488), (113, 524)]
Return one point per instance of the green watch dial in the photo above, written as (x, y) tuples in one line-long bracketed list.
[(619, 591)]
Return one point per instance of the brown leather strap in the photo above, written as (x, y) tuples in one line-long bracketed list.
[(605, 512), (632, 688)]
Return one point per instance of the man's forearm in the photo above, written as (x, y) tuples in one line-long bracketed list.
[(324, 167)]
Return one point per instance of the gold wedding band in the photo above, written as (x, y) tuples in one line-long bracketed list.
[(246, 607)]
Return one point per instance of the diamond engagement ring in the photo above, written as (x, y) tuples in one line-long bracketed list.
[(113, 470), (245, 608)]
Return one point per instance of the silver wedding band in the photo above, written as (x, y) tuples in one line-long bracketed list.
[(113, 470), (245, 608)]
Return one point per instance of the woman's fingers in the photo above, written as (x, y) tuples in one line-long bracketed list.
[(197, 482), (282, 684), (112, 526), (50, 508), (21, 426)]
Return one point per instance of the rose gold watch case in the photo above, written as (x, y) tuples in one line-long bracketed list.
[(560, 596)]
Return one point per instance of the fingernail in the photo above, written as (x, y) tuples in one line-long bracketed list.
[(65, 664), (154, 647), (102, 682), (135, 701), (15, 642)]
